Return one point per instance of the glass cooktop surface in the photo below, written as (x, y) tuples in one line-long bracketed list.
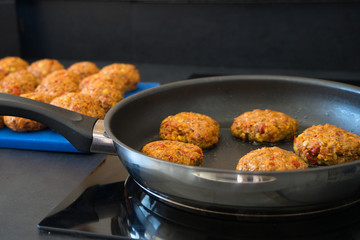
[(110, 205)]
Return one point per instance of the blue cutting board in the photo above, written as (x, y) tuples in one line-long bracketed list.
[(48, 140)]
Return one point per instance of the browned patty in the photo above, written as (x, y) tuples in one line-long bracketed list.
[(84, 69), (126, 72), (264, 126), (44, 67), (173, 151), (81, 103), (12, 64), (19, 124), (327, 145), (59, 82), (18, 83), (190, 127), (270, 159)]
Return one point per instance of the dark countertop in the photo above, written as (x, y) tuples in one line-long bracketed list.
[(34, 182)]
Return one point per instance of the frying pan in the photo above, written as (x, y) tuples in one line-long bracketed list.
[(215, 185)]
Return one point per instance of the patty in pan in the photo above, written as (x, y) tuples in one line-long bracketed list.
[(190, 127), (264, 126), (174, 151), (270, 159), (327, 145)]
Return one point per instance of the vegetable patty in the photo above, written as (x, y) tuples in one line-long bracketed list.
[(327, 145), (84, 69), (270, 159), (190, 127), (43, 67), (20, 124), (12, 64), (126, 72), (264, 126), (173, 151), (80, 103)]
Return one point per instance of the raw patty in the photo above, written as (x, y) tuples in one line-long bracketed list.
[(190, 127), (44, 67), (126, 72), (18, 83), (270, 159), (12, 64), (264, 126), (97, 78), (2, 75), (19, 124), (173, 151), (107, 90), (80, 103), (84, 69), (327, 145), (59, 82)]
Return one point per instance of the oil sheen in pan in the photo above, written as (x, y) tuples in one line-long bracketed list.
[(227, 152)]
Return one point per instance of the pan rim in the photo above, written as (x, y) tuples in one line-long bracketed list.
[(262, 77)]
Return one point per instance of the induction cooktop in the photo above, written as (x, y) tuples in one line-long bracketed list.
[(109, 204)]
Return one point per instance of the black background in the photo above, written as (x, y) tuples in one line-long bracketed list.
[(300, 35)]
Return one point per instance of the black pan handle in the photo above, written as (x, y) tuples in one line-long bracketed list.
[(75, 127)]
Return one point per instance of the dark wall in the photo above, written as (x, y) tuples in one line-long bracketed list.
[(9, 34), (249, 35)]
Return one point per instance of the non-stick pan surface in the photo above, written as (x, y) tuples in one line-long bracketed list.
[(135, 121)]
